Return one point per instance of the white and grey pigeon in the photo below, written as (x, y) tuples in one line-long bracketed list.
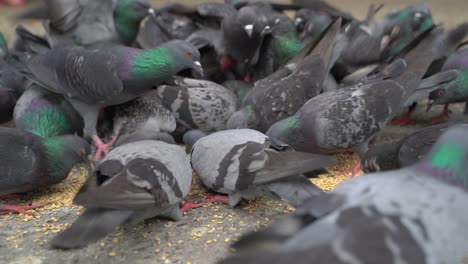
[(136, 181), (199, 104), (412, 215), (143, 118), (281, 94), (347, 119), (244, 163)]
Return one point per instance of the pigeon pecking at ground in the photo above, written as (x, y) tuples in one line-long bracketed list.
[(93, 79), (32, 162), (245, 163), (412, 215), (136, 181)]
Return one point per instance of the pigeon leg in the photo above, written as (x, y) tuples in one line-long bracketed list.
[(217, 199), (226, 63), (405, 120), (248, 77), (101, 147), (187, 206), (445, 114), (21, 209), (12, 2)]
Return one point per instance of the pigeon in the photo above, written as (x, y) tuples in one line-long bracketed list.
[(311, 24), (93, 79), (143, 118), (244, 163), (280, 95), (136, 181), (88, 23), (12, 83), (29, 162), (46, 114), (454, 91), (369, 219), (405, 152), (198, 104), (349, 118)]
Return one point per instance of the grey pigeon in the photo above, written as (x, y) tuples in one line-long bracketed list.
[(281, 94), (88, 22), (244, 163), (143, 118), (29, 162), (93, 79), (349, 118), (412, 215), (199, 104), (405, 152), (136, 181), (46, 114)]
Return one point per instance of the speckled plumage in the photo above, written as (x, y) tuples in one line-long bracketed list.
[(246, 164), (368, 219), (199, 104), (134, 182)]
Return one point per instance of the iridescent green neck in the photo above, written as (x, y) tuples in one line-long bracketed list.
[(3, 44), (153, 64), (450, 157), (462, 82), (47, 122), (290, 123), (287, 47), (126, 21), (55, 152)]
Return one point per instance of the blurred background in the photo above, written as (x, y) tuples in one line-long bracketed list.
[(448, 12)]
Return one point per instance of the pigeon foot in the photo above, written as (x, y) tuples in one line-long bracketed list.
[(444, 115), (405, 120), (15, 3), (356, 168), (187, 206), (190, 205), (102, 148), (21, 209)]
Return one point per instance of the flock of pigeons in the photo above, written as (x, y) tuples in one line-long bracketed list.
[(262, 102)]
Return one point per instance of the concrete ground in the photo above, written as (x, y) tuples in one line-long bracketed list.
[(203, 235)]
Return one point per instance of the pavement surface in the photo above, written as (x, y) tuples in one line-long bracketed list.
[(204, 235)]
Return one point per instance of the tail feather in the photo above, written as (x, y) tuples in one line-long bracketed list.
[(93, 225)]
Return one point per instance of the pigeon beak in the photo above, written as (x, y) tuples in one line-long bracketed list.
[(298, 21), (198, 67), (249, 30), (430, 103)]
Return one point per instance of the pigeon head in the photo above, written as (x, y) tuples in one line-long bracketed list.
[(315, 26), (455, 91), (302, 17), (287, 40), (448, 159), (63, 152), (127, 16), (244, 118), (165, 60), (404, 26), (286, 130), (3, 46)]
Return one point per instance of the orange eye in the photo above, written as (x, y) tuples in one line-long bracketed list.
[(189, 53)]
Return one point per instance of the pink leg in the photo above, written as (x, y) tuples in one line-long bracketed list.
[(187, 206), (226, 63), (354, 170), (248, 77), (101, 147), (445, 114), (10, 208), (13, 2), (405, 120)]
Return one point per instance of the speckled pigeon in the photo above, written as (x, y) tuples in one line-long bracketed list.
[(412, 215), (199, 104), (244, 163), (46, 114), (136, 181), (143, 118), (280, 95), (88, 22), (93, 79), (29, 162), (350, 117)]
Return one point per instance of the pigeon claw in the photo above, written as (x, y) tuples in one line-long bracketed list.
[(217, 199), (190, 205), (102, 148), (405, 120), (20, 209), (355, 170), (444, 115)]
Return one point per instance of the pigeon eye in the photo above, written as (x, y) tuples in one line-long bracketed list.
[(189, 53)]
